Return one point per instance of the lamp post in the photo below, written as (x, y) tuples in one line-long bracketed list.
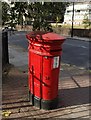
[(72, 21)]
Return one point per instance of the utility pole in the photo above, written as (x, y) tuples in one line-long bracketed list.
[(72, 21), (5, 53)]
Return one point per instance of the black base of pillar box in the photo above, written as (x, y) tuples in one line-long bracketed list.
[(43, 104), (49, 104)]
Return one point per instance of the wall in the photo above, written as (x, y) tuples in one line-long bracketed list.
[(76, 32), (62, 31), (25, 28)]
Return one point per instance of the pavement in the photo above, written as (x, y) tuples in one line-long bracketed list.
[(79, 38), (73, 91)]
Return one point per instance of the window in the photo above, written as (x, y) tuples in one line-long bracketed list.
[(78, 11), (89, 11), (68, 11)]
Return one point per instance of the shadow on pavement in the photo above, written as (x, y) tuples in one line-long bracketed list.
[(73, 96)]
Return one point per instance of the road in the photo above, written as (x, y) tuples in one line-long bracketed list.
[(75, 52)]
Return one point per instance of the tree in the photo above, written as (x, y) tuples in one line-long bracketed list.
[(5, 13), (39, 13), (42, 13), (20, 10), (13, 18)]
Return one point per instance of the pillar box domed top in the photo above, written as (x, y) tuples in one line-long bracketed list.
[(41, 36)]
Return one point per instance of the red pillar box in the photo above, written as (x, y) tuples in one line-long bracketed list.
[(44, 65)]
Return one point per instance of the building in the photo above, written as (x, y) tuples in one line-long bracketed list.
[(81, 11)]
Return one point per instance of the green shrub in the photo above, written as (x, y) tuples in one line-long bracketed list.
[(86, 22)]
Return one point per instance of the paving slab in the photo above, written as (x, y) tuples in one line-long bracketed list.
[(82, 80)]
